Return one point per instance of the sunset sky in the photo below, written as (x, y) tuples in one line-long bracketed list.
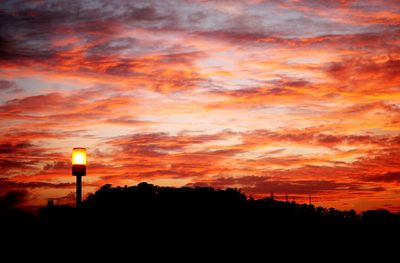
[(267, 96)]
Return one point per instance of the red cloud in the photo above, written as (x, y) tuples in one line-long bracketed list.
[(385, 178), (264, 186), (382, 77)]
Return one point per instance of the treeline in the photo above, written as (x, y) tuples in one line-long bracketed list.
[(197, 210)]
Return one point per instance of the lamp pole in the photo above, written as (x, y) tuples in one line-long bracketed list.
[(79, 170), (78, 191)]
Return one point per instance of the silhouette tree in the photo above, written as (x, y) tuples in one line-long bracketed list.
[(154, 212)]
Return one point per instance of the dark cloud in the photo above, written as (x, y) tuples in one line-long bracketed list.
[(57, 165), (23, 137), (308, 186), (28, 29), (160, 142), (385, 39), (240, 36), (382, 76), (391, 177), (356, 12), (127, 121), (8, 184), (12, 198), (15, 165), (315, 138), (68, 199), (10, 86), (386, 159), (8, 148), (266, 185), (37, 23), (361, 68), (34, 103), (258, 92), (325, 3), (19, 155), (112, 46), (147, 13), (164, 155)]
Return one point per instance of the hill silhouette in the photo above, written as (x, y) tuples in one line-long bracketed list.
[(183, 207), (156, 215)]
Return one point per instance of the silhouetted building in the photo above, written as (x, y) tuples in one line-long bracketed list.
[(50, 203)]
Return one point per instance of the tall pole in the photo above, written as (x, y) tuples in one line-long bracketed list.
[(79, 170), (78, 191)]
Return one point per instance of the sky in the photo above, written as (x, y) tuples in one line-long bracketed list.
[(282, 96)]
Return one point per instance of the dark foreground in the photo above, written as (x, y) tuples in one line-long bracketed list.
[(162, 216)]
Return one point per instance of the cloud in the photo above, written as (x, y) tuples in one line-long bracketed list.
[(391, 177), (382, 77), (81, 38), (9, 86), (314, 138), (8, 165), (9, 148), (68, 199), (127, 121), (351, 12), (12, 198), (19, 156), (34, 103), (7, 184), (265, 185), (161, 141)]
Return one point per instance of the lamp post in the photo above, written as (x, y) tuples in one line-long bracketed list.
[(79, 170)]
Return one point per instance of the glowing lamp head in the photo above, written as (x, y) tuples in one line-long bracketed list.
[(79, 161), (79, 156)]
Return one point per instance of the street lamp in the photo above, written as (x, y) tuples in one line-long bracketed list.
[(79, 170)]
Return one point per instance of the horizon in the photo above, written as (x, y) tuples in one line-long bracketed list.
[(283, 96), (291, 199)]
